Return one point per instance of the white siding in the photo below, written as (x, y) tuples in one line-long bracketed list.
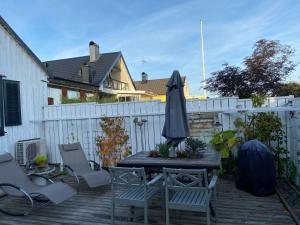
[(17, 65)]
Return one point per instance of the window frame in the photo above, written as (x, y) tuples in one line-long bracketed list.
[(1, 106), (6, 113)]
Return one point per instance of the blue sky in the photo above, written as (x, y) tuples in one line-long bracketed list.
[(156, 36)]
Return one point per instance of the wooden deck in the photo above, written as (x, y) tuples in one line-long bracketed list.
[(91, 207)]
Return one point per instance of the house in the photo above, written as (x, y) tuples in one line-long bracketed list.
[(103, 74), (23, 88), (157, 87)]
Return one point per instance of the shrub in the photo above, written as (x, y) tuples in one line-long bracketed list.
[(112, 146)]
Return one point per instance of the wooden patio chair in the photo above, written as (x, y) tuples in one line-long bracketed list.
[(138, 191), (188, 189)]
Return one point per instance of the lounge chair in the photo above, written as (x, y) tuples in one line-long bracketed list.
[(136, 188), (187, 189), (75, 161), (14, 182)]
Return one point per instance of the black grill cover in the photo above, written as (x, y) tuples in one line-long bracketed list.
[(256, 169)]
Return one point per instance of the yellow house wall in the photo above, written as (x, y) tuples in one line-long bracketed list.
[(145, 97), (160, 97)]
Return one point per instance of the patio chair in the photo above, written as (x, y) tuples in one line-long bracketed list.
[(77, 164), (188, 189), (138, 191), (14, 182)]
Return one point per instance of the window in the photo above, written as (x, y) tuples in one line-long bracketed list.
[(73, 94), (12, 104), (1, 108)]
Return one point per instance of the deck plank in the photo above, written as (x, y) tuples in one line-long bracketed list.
[(92, 206)]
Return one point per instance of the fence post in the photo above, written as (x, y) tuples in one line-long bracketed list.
[(61, 140), (90, 149)]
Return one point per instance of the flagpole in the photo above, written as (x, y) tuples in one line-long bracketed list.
[(203, 61)]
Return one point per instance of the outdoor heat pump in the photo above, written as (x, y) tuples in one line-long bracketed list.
[(27, 150)]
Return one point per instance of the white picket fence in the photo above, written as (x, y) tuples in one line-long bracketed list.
[(80, 122)]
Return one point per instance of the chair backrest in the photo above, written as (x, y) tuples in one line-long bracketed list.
[(73, 156), (185, 178), (12, 173), (128, 176)]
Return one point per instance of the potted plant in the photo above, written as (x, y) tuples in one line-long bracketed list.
[(225, 142), (194, 147), (41, 161), (163, 149)]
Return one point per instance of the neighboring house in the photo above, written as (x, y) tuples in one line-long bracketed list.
[(104, 74), (23, 88), (157, 87)]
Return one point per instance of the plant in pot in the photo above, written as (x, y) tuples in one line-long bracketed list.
[(163, 149), (154, 154), (194, 147), (225, 142), (41, 161)]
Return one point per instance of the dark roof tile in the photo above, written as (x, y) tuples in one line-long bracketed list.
[(68, 69)]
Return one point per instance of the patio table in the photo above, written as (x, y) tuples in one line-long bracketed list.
[(209, 161)]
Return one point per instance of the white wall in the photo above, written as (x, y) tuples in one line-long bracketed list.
[(17, 65)]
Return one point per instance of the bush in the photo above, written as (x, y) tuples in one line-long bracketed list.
[(112, 145)]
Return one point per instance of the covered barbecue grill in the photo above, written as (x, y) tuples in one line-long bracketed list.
[(256, 169)]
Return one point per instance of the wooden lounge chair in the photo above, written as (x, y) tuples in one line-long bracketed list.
[(14, 182), (75, 161), (188, 189), (138, 191)]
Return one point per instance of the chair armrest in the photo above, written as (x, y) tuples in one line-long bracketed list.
[(155, 180), (41, 176), (213, 182), (24, 193), (69, 168), (10, 185), (96, 165)]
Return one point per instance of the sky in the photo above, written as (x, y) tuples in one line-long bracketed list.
[(156, 36)]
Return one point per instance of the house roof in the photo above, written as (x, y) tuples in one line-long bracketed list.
[(157, 86), (5, 25), (68, 69)]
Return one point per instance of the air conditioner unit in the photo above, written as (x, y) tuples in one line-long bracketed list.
[(27, 150)]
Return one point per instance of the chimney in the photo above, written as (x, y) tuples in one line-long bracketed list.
[(85, 73), (144, 78), (94, 51)]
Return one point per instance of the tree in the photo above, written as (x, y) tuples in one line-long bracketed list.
[(291, 88), (262, 74)]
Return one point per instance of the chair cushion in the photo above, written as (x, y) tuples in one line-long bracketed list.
[(6, 157), (189, 197), (137, 193), (71, 147)]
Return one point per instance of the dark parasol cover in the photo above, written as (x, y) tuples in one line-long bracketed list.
[(176, 124)]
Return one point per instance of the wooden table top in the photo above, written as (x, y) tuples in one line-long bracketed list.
[(210, 160)]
